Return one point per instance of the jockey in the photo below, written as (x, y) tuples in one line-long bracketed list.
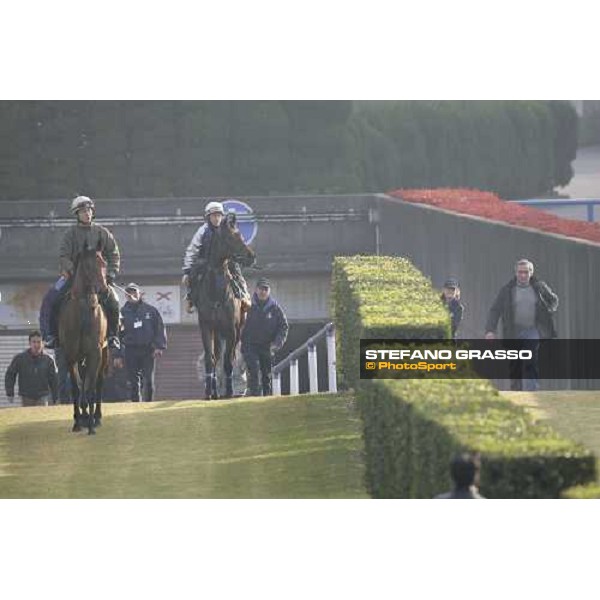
[(196, 255), (84, 232)]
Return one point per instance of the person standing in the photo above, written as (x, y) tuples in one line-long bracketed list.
[(526, 306), (36, 372), (144, 338), (451, 299), (264, 333)]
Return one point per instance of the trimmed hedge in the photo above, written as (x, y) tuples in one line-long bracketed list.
[(582, 492), (57, 149), (381, 297), (413, 427)]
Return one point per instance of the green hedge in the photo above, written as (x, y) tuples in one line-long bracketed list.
[(55, 149), (381, 297), (582, 492), (413, 427)]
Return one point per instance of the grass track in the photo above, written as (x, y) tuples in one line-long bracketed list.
[(289, 447)]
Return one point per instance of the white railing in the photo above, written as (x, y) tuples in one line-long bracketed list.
[(291, 361)]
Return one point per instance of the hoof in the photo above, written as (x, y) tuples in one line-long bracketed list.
[(91, 432), (97, 422), (76, 428)]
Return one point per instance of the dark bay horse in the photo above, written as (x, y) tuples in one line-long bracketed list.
[(220, 313), (83, 331)]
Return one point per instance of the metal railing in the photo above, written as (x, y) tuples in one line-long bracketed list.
[(589, 203), (291, 361)]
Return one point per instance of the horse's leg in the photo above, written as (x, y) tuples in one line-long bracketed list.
[(99, 387), (75, 394), (216, 360), (207, 342), (93, 366), (228, 360)]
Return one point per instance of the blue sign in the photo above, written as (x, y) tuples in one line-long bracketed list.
[(246, 219)]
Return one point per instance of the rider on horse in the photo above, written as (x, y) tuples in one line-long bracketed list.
[(85, 233), (196, 256)]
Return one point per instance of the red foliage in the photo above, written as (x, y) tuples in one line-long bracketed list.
[(490, 206)]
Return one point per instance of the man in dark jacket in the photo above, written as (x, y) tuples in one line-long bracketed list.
[(265, 332), (36, 372), (464, 470), (144, 338), (526, 306), (451, 299)]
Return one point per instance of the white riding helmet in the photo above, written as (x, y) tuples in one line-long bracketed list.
[(212, 208), (82, 202)]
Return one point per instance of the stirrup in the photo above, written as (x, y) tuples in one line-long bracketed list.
[(114, 342)]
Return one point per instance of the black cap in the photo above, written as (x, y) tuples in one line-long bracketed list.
[(263, 282), (451, 283), (132, 287)]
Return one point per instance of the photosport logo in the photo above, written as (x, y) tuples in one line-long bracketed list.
[(474, 359)]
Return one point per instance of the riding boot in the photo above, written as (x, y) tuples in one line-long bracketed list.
[(49, 313), (110, 303)]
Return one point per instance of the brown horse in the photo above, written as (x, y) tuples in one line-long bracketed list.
[(82, 331), (220, 313)]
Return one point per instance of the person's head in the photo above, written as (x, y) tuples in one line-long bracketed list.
[(214, 212), (451, 289), (133, 293), (523, 271), (263, 289), (36, 345), (464, 470), (84, 209)]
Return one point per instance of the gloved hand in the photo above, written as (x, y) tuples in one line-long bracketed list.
[(110, 278)]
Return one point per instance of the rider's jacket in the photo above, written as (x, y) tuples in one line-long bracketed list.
[(198, 247), (95, 236)]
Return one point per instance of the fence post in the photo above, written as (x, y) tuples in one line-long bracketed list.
[(277, 384), (294, 384), (312, 369), (331, 362)]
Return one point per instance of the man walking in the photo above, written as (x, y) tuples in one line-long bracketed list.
[(265, 332), (526, 306), (144, 338), (36, 373)]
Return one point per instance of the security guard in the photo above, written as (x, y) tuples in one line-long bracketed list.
[(144, 339), (265, 332)]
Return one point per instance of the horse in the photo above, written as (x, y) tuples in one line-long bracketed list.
[(220, 313), (83, 335)]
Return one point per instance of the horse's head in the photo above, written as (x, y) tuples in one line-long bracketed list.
[(90, 275), (233, 242)]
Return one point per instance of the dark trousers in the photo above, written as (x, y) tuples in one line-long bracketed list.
[(258, 358), (139, 362)]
